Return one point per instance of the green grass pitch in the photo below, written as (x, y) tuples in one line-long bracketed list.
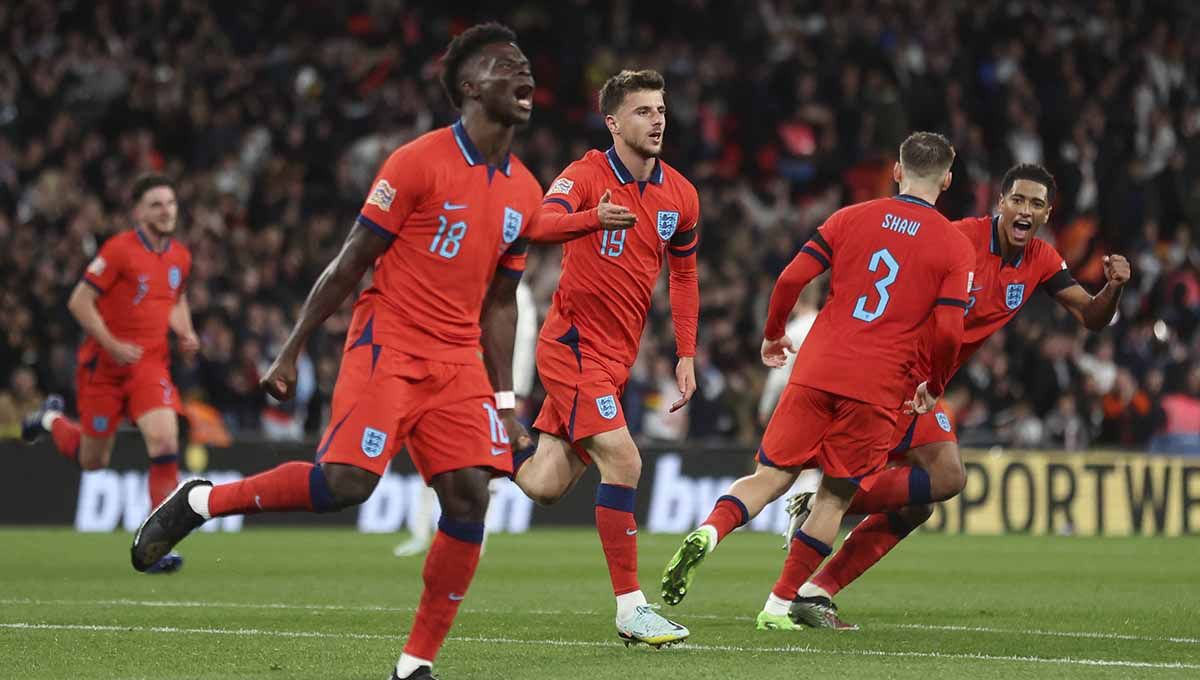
[(335, 604)]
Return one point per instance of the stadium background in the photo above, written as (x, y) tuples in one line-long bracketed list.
[(275, 116)]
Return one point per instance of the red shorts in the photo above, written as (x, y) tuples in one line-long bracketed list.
[(847, 439), (108, 393), (917, 431), (385, 399)]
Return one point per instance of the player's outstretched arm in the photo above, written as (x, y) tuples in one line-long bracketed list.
[(339, 279), (498, 324), (553, 222), (82, 306), (1096, 311)]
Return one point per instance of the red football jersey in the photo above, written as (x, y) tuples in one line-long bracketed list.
[(893, 260), (137, 288), (1002, 288), (608, 277), (452, 220)]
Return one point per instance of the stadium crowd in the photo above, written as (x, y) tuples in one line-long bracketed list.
[(274, 117)]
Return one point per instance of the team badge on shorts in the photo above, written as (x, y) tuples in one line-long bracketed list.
[(1014, 295), (373, 442), (100, 423), (608, 407), (943, 421), (512, 224), (667, 221), (174, 277)]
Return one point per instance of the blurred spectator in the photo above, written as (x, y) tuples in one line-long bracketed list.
[(21, 398)]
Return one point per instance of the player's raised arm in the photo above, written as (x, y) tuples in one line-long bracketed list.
[(684, 287), (1095, 311), (810, 262)]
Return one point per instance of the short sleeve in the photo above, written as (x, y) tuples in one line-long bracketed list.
[(1055, 277), (105, 269), (574, 189), (397, 191)]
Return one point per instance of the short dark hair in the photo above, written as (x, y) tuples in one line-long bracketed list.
[(146, 182), (463, 47), (1032, 172), (617, 87), (926, 154)]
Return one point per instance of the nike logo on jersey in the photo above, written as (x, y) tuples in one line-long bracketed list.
[(450, 206), (499, 451), (631, 532), (455, 597), (975, 290)]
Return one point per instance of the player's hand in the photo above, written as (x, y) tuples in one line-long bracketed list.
[(922, 401), (125, 353), (1116, 270), (774, 352), (280, 380), (517, 434), (189, 343), (612, 216), (685, 377)]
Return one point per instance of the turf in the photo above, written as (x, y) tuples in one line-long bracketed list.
[(336, 604)]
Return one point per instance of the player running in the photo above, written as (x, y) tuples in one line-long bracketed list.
[(591, 335), (1010, 263), (131, 294), (898, 268), (442, 223)]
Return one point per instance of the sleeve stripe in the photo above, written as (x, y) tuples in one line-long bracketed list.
[(560, 201), (683, 252), (951, 302), (373, 226), (518, 247), (816, 255), (820, 240), (510, 273), (683, 238), (1061, 281), (93, 284)]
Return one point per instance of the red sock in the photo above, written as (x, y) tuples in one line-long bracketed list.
[(449, 567), (866, 545), (291, 486), (164, 477), (804, 556), (618, 535), (728, 514), (890, 490), (65, 434)]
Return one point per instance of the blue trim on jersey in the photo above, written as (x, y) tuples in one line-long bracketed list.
[(373, 226), (509, 272), (622, 173), (683, 252), (816, 254), (368, 334), (560, 201), (471, 153), (762, 458), (146, 242), (616, 497), (467, 532), (995, 247), (93, 285), (909, 198), (333, 433)]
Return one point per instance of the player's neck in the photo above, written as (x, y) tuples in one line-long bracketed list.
[(916, 190), (153, 238), (641, 167), (1008, 250), (492, 138)]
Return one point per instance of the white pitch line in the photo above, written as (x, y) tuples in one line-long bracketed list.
[(196, 604), (257, 632)]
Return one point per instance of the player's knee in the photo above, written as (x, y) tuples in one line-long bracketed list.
[(161, 445), (463, 494), (348, 485), (92, 461), (947, 480)]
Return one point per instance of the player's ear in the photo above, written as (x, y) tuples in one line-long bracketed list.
[(897, 174), (611, 122), (947, 179)]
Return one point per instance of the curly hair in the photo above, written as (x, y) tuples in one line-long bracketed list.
[(147, 182), (463, 47), (1032, 172)]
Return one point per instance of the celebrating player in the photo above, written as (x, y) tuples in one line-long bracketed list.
[(130, 295), (897, 265), (1010, 263), (591, 335), (441, 224)]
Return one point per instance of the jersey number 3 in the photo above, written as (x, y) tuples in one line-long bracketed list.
[(881, 286)]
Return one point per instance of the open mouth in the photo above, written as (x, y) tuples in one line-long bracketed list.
[(524, 97), (1022, 227), (656, 136)]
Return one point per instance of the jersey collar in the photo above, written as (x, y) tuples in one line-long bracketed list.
[(146, 242), (909, 198), (471, 153), (622, 172), (1016, 261)]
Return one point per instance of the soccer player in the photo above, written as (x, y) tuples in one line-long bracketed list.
[(131, 294), (898, 268), (591, 335), (442, 223), (1010, 263)]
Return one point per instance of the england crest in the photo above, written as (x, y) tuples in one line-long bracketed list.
[(373, 442), (1014, 295), (667, 221), (512, 224), (174, 277), (943, 421), (100, 423), (608, 407)]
